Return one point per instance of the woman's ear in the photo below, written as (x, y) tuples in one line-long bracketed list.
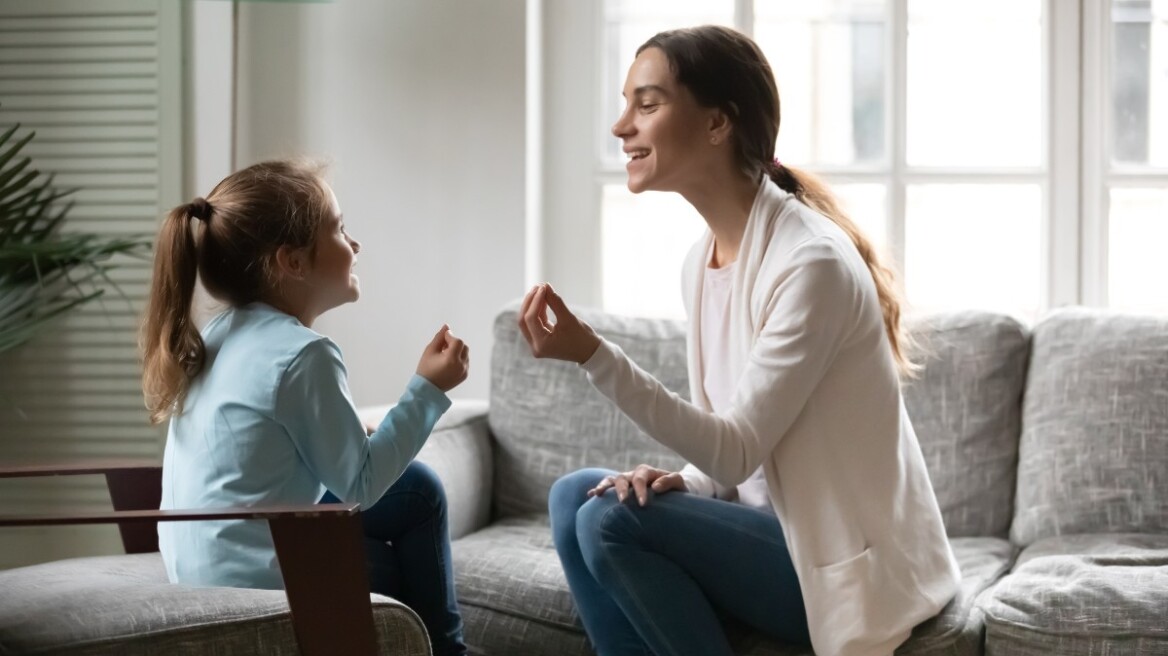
[(719, 127), (291, 262)]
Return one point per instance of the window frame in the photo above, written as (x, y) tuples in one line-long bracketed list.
[(1075, 175)]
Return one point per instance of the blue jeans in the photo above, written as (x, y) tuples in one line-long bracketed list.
[(659, 579), (407, 552)]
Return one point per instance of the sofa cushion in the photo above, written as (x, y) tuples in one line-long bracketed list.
[(1083, 594), (966, 407), (1094, 451), (124, 605), (548, 420), (515, 599)]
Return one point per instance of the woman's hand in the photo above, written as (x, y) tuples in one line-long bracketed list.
[(567, 339), (446, 360), (640, 479)]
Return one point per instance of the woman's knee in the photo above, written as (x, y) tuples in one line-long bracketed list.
[(570, 491)]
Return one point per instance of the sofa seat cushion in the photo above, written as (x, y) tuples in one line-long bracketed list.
[(1083, 594), (125, 605), (515, 599)]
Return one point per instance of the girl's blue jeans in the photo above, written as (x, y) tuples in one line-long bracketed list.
[(659, 579), (407, 551)]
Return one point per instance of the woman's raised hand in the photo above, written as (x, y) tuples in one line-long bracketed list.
[(446, 360), (567, 338), (640, 480)]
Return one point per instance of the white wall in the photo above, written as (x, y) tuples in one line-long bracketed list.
[(420, 106)]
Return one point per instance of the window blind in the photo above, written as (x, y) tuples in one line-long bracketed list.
[(100, 83)]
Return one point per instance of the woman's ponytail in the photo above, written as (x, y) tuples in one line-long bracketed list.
[(814, 193), (173, 351)]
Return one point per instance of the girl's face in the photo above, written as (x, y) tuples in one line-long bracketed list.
[(334, 255), (666, 134)]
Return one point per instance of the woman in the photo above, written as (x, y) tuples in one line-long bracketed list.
[(809, 514)]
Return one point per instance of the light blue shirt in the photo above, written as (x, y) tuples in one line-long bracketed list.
[(270, 421)]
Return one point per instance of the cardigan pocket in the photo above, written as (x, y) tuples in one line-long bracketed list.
[(849, 606)]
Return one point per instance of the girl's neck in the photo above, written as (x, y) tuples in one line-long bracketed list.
[(725, 204), (288, 304)]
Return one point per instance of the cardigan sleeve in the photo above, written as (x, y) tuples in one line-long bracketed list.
[(810, 313)]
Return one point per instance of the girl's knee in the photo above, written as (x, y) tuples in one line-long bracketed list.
[(422, 479)]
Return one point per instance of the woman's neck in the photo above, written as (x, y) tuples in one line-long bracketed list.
[(725, 204)]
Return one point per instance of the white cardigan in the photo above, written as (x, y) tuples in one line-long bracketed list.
[(818, 406)]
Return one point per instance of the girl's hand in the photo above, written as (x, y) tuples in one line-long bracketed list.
[(640, 479), (567, 339), (446, 360)]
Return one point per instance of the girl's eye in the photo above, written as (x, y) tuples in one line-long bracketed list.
[(649, 107)]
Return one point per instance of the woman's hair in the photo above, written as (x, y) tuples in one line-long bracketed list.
[(229, 241), (723, 68)]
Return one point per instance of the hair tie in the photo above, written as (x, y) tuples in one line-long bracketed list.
[(200, 209), (776, 163)]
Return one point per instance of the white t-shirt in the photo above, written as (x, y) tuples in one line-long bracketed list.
[(716, 378)]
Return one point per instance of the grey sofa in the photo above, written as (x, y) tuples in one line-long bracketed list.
[(1047, 447)]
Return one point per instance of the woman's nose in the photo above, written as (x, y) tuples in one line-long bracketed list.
[(623, 126)]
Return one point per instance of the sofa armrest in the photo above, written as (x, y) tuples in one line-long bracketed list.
[(460, 451)]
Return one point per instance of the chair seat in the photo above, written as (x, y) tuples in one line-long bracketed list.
[(125, 605)]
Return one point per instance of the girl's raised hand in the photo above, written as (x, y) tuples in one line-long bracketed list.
[(446, 360), (567, 338)]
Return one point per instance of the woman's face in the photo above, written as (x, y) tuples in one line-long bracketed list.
[(666, 134)]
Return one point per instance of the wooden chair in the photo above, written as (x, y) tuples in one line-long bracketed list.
[(319, 547)]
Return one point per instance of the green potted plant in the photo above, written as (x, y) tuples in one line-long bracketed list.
[(45, 272)]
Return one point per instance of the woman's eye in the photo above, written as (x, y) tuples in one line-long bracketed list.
[(649, 107)]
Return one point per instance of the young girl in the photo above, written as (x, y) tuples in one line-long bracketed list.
[(259, 407), (809, 514)]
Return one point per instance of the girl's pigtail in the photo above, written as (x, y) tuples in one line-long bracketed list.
[(173, 351)]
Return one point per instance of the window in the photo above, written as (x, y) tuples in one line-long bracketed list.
[(969, 158), (1135, 203)]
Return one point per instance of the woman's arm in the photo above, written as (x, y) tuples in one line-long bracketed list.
[(810, 313)]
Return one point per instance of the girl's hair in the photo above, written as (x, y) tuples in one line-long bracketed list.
[(725, 69), (229, 241)]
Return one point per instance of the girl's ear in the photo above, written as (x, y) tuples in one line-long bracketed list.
[(291, 262)]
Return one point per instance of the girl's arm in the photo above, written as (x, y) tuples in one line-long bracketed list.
[(314, 406)]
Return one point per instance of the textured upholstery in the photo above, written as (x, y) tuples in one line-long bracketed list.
[(966, 405), (516, 601), (548, 420), (124, 606), (1083, 594), (1093, 456)]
